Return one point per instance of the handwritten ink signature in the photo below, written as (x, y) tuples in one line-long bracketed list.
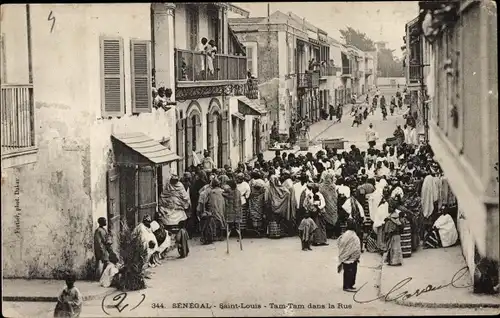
[(119, 303), (404, 294)]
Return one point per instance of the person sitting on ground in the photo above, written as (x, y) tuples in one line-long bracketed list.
[(111, 275), (69, 302), (443, 233)]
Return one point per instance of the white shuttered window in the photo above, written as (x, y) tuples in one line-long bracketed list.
[(140, 58), (112, 77)]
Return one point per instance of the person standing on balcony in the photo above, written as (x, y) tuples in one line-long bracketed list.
[(203, 50), (211, 50)]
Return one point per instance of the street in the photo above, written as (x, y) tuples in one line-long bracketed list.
[(273, 274)]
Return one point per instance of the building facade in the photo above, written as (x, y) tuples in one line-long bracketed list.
[(463, 121), (88, 143)]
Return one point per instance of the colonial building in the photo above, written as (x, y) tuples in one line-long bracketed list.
[(210, 94), (80, 135), (463, 120), (337, 91), (347, 73), (416, 65), (85, 101)]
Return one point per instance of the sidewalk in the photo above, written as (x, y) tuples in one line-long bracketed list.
[(41, 290), (435, 267)]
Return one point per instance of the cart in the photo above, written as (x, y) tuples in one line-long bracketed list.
[(333, 143), (392, 141)]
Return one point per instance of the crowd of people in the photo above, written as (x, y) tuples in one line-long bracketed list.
[(393, 197)]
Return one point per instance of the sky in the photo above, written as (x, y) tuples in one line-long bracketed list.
[(381, 21)]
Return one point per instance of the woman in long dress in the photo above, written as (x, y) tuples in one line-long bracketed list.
[(280, 202), (256, 203), (392, 232), (317, 210), (328, 190), (216, 209)]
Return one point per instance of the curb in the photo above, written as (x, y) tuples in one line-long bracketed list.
[(51, 299), (429, 305)]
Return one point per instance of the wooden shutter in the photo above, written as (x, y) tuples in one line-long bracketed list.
[(210, 135), (225, 135), (189, 141), (140, 70), (146, 192), (112, 77), (180, 146)]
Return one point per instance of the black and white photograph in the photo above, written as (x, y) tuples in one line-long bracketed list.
[(219, 159)]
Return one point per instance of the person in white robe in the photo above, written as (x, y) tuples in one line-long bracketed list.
[(444, 232)]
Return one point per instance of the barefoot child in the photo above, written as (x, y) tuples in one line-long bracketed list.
[(306, 230), (69, 302)]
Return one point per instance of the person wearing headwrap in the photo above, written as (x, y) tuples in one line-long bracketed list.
[(315, 205), (174, 202), (443, 233), (213, 220), (148, 239), (256, 203), (392, 233), (328, 190), (280, 202)]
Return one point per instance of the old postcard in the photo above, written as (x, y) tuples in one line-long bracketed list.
[(215, 159)]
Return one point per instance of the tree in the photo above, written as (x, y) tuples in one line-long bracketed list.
[(357, 39), (388, 65)]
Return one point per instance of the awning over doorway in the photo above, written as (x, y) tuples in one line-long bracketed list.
[(247, 106), (238, 115), (137, 148)]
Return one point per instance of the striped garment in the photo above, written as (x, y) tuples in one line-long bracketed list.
[(433, 240)]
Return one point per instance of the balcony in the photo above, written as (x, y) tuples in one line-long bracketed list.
[(192, 69), (17, 124), (308, 80), (415, 74), (346, 71), (327, 70)]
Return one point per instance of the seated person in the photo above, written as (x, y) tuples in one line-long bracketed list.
[(443, 232)]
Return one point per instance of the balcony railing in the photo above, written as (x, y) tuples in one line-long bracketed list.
[(310, 79), (327, 70), (346, 70), (17, 118), (303, 80), (315, 79), (415, 73), (194, 66)]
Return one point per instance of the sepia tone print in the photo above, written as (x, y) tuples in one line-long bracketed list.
[(249, 159)]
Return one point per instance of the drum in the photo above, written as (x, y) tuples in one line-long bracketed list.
[(274, 229), (406, 241), (244, 212)]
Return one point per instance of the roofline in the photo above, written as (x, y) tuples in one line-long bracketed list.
[(235, 9)]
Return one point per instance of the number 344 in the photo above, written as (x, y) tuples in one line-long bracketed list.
[(157, 306)]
